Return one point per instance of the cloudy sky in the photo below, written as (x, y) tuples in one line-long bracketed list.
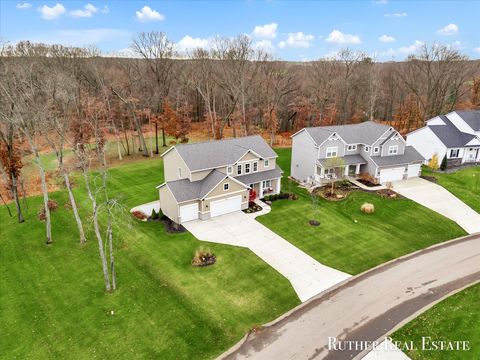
[(292, 30)]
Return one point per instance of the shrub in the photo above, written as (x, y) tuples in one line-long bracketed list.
[(52, 206), (367, 178), (203, 257), (367, 208), (444, 164), (154, 215), (433, 163)]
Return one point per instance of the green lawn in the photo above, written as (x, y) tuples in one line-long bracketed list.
[(349, 240), (52, 303), (464, 184), (454, 319)]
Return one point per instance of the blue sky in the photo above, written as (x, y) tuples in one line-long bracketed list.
[(292, 30)]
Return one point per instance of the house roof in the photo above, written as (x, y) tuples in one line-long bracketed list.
[(364, 133), (408, 157), (472, 118), (185, 190), (260, 176), (354, 159), (212, 154), (449, 134)]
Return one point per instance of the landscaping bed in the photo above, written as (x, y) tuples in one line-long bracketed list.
[(340, 191), (252, 208)]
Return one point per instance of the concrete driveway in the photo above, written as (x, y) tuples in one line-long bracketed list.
[(307, 276), (439, 199)]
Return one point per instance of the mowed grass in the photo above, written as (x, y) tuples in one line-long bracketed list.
[(464, 184), (348, 239), (52, 299), (454, 319)]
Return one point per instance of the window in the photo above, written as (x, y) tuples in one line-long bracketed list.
[(332, 151), (226, 186), (247, 168), (352, 147), (366, 148), (329, 171), (266, 184), (229, 170), (267, 163), (393, 150), (376, 150), (255, 166), (179, 172), (239, 169), (454, 153)]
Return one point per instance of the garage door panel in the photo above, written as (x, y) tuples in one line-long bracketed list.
[(225, 206), (414, 170), (188, 212), (391, 174)]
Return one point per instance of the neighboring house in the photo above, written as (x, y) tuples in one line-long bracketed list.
[(368, 147), (208, 179), (456, 135)]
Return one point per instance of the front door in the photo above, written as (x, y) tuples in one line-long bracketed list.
[(351, 170)]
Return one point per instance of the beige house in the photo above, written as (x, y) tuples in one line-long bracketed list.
[(208, 179)]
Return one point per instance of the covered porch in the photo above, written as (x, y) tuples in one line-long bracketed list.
[(262, 183), (351, 167)]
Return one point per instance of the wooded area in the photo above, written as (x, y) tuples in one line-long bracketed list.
[(73, 99)]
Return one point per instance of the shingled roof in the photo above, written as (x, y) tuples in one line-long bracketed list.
[(410, 156), (450, 135), (213, 154), (472, 118), (364, 133)]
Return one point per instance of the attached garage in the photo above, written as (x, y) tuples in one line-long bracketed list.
[(391, 174), (188, 212), (225, 206), (414, 170)]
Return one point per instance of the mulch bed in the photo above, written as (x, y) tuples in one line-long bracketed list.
[(430, 178), (172, 227), (339, 194), (204, 260), (252, 208), (388, 194), (367, 183)]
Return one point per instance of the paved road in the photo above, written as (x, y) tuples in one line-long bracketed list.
[(307, 276), (439, 199), (368, 306)]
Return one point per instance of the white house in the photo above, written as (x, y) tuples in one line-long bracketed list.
[(455, 135)]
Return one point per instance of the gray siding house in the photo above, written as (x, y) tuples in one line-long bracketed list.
[(372, 148), (208, 179)]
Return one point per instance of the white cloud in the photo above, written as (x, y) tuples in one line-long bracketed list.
[(477, 49), (268, 31), (386, 38), (450, 29), (24, 6), (337, 37), (297, 40), (189, 43), (265, 45), (411, 49), (147, 14), (397, 15), (51, 13), (87, 11)]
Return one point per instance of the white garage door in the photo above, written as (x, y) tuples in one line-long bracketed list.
[(188, 212), (393, 174), (414, 170), (225, 206)]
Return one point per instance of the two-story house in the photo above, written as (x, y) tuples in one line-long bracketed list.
[(368, 147), (208, 179), (455, 135)]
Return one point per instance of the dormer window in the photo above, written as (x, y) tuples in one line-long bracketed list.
[(266, 163), (393, 150), (239, 169), (229, 170)]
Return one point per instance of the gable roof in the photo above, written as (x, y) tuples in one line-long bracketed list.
[(212, 154), (408, 157), (449, 134), (364, 133), (472, 118), (185, 190)]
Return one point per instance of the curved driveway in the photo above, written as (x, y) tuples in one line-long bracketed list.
[(368, 306)]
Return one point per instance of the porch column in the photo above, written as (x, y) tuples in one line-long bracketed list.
[(260, 188), (346, 170), (278, 185), (357, 170)]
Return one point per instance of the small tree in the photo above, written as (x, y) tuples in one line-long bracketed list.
[(433, 163), (338, 165), (444, 164)]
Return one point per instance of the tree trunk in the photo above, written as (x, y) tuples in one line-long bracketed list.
[(112, 259), (43, 179), (156, 137), (141, 139), (164, 139), (83, 240), (16, 199), (6, 205)]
